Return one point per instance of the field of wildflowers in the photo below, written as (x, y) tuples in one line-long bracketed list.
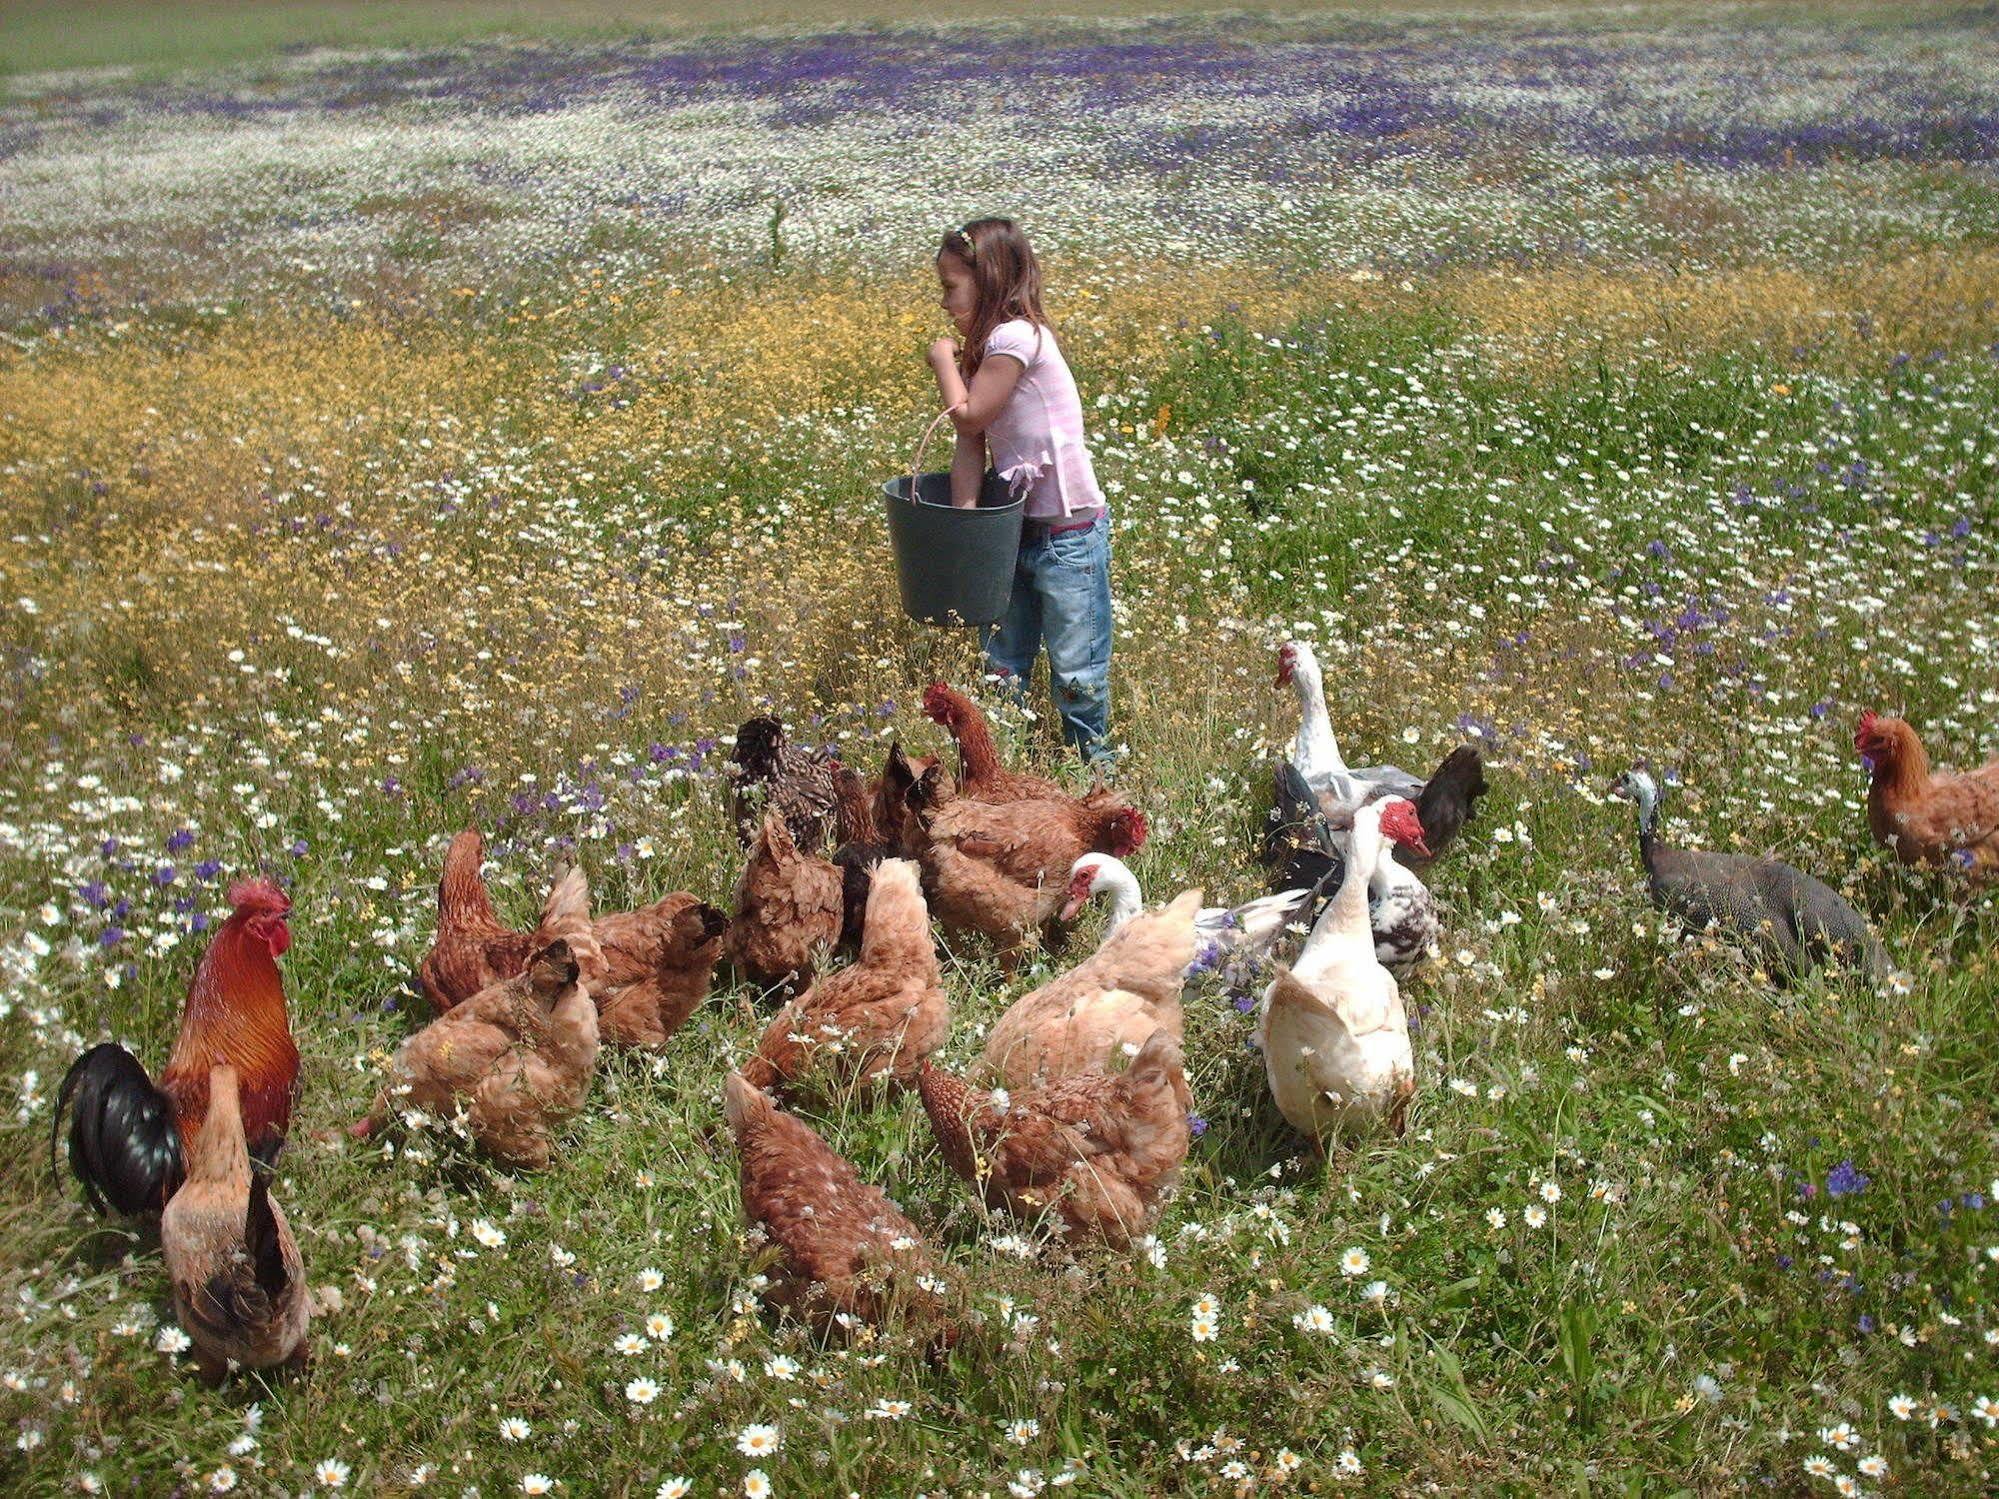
[(474, 434)]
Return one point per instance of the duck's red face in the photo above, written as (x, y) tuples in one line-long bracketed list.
[(1082, 885), (1287, 664), (1401, 825)]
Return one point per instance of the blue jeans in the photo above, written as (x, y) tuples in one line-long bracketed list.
[(1062, 598)]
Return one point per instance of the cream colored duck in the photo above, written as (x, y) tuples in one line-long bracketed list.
[(1334, 1036)]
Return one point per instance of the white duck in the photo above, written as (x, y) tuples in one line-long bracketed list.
[(1314, 750), (1334, 1036), (1250, 929)]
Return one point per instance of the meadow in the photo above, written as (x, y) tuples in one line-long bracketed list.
[(472, 425)]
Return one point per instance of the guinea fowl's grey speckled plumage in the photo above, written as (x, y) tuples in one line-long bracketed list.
[(1791, 922)]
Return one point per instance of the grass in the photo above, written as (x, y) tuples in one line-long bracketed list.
[(307, 586)]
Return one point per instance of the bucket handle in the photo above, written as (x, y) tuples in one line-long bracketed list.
[(916, 463)]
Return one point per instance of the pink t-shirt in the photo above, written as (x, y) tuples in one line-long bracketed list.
[(1037, 440)]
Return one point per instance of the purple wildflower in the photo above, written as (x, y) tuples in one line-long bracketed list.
[(1844, 1180)]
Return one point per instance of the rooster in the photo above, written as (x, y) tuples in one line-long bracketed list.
[(127, 1137), (1928, 817)]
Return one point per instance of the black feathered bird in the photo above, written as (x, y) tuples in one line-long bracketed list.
[(1298, 847), (795, 783), (1448, 801)]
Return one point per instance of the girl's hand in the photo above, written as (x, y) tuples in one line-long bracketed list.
[(944, 352)]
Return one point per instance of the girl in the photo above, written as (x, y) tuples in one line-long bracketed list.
[(1010, 389)]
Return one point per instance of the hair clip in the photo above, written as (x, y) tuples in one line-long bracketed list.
[(971, 250)]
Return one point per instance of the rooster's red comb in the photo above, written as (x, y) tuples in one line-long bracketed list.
[(258, 897)]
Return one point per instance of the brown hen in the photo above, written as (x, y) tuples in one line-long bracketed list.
[(472, 950), (653, 968), (1100, 1149), (895, 813), (881, 1016), (238, 1281), (518, 1056), (981, 776), (845, 1253), (1003, 868), (1928, 817), (788, 908)]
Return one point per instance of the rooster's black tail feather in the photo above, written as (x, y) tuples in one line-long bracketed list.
[(124, 1143)]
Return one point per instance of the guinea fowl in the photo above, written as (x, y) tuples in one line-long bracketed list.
[(1316, 752), (770, 774), (1791, 922)]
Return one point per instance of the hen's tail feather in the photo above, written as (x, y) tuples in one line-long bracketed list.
[(124, 1142), (261, 1238)]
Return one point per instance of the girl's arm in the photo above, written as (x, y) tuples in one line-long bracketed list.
[(968, 469), (973, 410)]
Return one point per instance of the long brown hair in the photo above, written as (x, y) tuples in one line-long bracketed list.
[(1006, 280)]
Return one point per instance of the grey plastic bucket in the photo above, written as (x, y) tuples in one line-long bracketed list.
[(953, 567)]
